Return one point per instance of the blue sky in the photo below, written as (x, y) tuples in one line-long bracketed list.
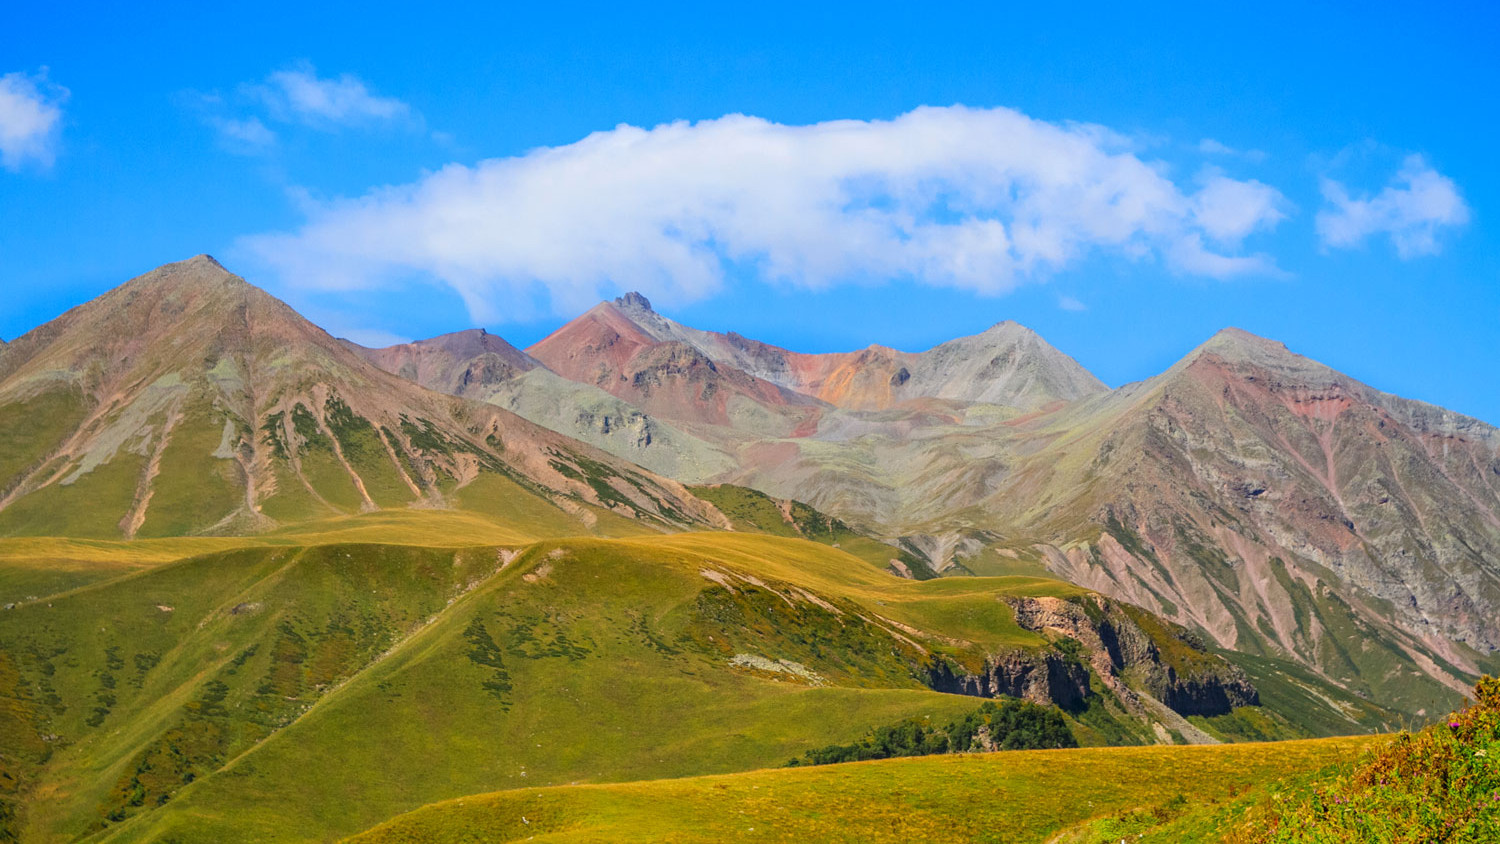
[(1124, 182)]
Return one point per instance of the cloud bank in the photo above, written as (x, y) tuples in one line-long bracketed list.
[(979, 199), (1411, 210), (30, 119)]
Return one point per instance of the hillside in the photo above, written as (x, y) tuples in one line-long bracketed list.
[(1007, 365), (187, 401), (194, 698), (1282, 508), (233, 548), (1021, 796)]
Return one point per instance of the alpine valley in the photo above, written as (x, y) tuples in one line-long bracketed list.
[(640, 581)]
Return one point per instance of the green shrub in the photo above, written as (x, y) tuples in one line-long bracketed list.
[(1439, 785), (996, 725)]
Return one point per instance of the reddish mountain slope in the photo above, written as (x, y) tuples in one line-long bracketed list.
[(670, 378)]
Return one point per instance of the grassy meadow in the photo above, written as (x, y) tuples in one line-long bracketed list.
[(1016, 796), (311, 683)]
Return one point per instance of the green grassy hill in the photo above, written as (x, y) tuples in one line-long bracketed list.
[(309, 684), (1020, 796), (754, 511)]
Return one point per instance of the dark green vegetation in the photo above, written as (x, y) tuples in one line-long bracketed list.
[(1006, 725)]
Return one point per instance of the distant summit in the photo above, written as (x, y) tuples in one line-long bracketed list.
[(634, 301)]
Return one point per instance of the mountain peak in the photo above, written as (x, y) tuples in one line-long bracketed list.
[(1238, 344), (203, 259), (634, 301)]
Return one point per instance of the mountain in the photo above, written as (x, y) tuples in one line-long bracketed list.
[(188, 401), (481, 366), (233, 548), (1008, 364), (1281, 507), (668, 376), (1278, 506), (463, 364), (872, 435)]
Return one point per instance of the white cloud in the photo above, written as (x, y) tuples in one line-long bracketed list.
[(1229, 210), (299, 95), (979, 199), (1068, 303), (245, 136), (1417, 203), (30, 119)]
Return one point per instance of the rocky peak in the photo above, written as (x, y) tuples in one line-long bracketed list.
[(634, 301)]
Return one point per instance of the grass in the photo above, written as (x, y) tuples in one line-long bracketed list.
[(754, 511), (90, 507), (197, 688), (1441, 784), (596, 687), (1019, 796), (204, 490)]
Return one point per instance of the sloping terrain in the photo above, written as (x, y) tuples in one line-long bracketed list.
[(1439, 784), (460, 364), (1282, 508), (1285, 510), (188, 401), (1022, 796), (482, 367), (202, 699), (668, 378)]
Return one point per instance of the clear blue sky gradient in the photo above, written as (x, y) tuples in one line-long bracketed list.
[(1322, 89)]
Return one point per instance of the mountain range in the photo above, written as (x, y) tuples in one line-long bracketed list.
[(233, 547), (1273, 503)]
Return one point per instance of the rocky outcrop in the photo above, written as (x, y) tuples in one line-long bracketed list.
[(1133, 651), (1152, 669), (1044, 677)]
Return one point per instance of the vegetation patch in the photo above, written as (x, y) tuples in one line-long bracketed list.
[(483, 652), (996, 725), (754, 511), (31, 429), (194, 488), (366, 453), (833, 640), (1441, 784)]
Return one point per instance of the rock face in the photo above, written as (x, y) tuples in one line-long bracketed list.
[(188, 401), (1007, 365), (667, 376), (1142, 661), (1045, 678), (1167, 662)]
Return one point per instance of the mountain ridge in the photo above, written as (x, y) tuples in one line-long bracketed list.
[(189, 362), (1241, 431)]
